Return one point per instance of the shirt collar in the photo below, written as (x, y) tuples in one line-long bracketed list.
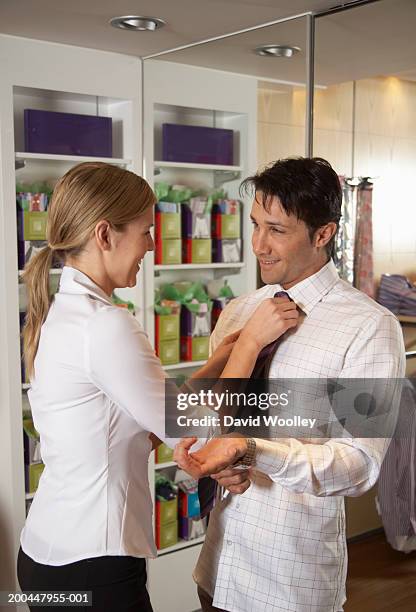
[(308, 292), (76, 282)]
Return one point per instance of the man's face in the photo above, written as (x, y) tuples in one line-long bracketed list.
[(282, 245)]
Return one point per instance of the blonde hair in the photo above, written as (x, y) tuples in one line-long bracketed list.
[(86, 194)]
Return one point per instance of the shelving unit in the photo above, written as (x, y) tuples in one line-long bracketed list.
[(45, 76), (176, 93)]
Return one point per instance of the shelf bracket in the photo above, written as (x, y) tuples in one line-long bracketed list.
[(225, 176), (19, 164)]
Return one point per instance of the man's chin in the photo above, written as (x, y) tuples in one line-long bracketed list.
[(269, 277)]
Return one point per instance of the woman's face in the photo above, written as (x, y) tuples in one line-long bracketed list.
[(129, 248)]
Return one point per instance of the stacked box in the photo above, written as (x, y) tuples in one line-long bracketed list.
[(226, 231), (195, 333), (188, 499), (32, 457), (166, 513), (168, 233), (190, 528), (196, 231), (167, 338)]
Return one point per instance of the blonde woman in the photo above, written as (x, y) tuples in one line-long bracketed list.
[(97, 392)]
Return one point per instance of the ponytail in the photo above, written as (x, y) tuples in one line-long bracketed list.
[(87, 193), (36, 278)]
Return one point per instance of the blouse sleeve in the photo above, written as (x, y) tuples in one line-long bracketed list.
[(121, 362)]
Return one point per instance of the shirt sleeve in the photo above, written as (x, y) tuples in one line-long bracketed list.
[(346, 466), (121, 362)]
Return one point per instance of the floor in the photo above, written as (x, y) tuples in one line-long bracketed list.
[(380, 579)]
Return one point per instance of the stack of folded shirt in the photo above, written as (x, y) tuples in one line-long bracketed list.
[(397, 294)]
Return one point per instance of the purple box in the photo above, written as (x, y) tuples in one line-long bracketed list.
[(67, 134), (197, 145)]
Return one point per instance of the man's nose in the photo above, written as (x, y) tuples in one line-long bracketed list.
[(260, 243)]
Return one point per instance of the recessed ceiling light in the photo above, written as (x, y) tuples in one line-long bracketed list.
[(277, 50), (137, 23)]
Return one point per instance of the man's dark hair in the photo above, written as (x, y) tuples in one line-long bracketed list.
[(306, 187)]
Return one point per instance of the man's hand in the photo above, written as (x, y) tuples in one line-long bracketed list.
[(234, 479), (217, 455)]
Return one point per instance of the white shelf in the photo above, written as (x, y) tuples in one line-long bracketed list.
[(25, 386), (184, 364), (189, 166), (181, 544), (29, 496), (76, 159), (166, 464), (208, 266)]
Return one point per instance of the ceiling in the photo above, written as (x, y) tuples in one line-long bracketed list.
[(86, 22), (372, 40)]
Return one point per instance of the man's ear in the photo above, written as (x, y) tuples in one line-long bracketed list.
[(324, 234), (102, 235)]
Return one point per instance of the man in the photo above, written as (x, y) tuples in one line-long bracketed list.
[(280, 546)]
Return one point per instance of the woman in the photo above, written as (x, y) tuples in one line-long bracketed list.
[(97, 391)]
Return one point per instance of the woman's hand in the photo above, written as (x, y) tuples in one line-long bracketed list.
[(271, 319), (216, 363), (217, 455)]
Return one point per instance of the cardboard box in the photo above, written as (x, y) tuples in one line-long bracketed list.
[(166, 534), (67, 133), (188, 499), (194, 349), (166, 511), (227, 251), (226, 226), (191, 528), (197, 250), (34, 225), (197, 144), (167, 225), (168, 251), (168, 351)]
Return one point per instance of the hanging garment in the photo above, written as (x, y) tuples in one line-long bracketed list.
[(363, 251), (396, 499), (343, 255), (397, 294)]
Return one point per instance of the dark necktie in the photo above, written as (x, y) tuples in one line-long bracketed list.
[(207, 487)]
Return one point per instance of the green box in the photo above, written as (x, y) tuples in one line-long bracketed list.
[(34, 472), (34, 225), (169, 351), (167, 535), (170, 225), (168, 327), (201, 250), (166, 511), (172, 251), (163, 454), (230, 226), (200, 348)]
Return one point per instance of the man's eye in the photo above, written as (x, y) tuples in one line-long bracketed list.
[(275, 230)]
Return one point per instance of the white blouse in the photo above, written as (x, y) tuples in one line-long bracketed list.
[(97, 392)]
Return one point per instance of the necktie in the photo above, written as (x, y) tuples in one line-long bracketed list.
[(208, 489)]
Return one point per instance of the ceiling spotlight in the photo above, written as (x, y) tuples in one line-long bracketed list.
[(136, 23), (276, 50)]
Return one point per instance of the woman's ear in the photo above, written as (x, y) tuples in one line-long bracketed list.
[(102, 235), (324, 234)]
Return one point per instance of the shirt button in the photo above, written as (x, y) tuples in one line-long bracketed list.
[(229, 542), (237, 505)]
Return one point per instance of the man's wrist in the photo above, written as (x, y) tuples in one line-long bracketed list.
[(248, 458)]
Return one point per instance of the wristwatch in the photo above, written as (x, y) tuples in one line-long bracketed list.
[(248, 458)]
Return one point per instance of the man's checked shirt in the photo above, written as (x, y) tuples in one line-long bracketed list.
[(280, 547)]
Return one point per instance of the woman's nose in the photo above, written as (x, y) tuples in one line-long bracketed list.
[(150, 243)]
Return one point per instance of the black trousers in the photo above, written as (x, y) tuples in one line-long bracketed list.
[(118, 584)]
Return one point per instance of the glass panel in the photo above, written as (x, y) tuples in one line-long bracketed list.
[(365, 117)]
